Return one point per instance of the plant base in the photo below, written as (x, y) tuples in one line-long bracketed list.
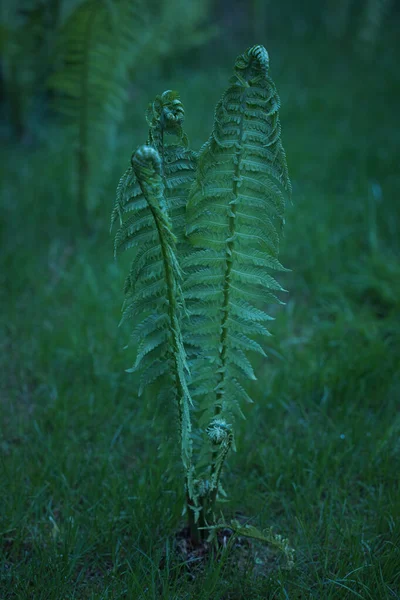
[(233, 553)]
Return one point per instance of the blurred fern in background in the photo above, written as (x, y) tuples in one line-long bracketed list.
[(94, 53), (88, 52), (100, 48), (27, 30)]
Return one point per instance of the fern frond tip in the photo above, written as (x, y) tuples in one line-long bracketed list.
[(167, 110), (145, 158), (260, 54), (256, 58)]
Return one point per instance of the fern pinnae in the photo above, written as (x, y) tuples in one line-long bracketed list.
[(234, 216), (155, 336), (122, 186), (83, 162)]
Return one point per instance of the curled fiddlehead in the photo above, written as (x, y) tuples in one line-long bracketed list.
[(165, 116)]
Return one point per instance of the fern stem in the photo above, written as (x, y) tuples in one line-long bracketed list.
[(174, 326), (228, 269), (225, 315), (226, 300), (163, 158)]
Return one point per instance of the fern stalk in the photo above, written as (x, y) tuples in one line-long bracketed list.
[(217, 460), (228, 269)]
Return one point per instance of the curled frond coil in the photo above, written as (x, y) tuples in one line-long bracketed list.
[(252, 64), (218, 431), (166, 115), (146, 160)]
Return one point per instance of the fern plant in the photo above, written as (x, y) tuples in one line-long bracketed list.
[(199, 281)]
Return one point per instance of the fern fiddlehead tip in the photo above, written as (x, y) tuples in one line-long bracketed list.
[(218, 431), (146, 157), (261, 55), (257, 56), (167, 110)]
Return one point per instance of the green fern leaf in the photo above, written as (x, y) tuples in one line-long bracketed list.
[(235, 215), (154, 295)]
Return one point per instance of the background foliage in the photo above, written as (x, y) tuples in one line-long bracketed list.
[(89, 493)]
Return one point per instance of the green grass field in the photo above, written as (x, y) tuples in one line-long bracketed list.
[(91, 487)]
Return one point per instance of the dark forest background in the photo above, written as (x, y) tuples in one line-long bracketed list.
[(90, 493)]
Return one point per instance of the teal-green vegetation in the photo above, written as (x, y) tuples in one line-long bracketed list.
[(85, 53), (227, 251), (90, 489)]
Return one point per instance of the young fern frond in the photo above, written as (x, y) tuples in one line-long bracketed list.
[(165, 117), (235, 214), (154, 297)]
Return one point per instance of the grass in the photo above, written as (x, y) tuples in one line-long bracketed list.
[(90, 478)]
